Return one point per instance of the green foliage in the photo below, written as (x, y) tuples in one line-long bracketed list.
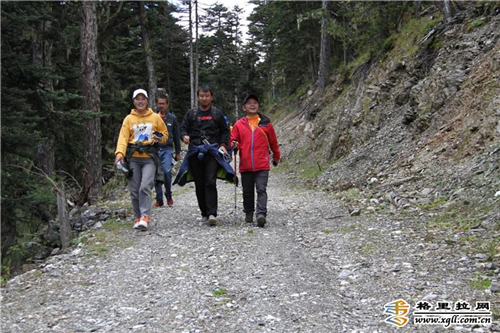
[(456, 216), (286, 48), (219, 292), (480, 282), (405, 42), (101, 241), (28, 201), (348, 229), (476, 24), (348, 195), (41, 101), (366, 248)]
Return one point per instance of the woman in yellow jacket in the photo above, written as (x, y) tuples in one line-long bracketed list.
[(140, 130)]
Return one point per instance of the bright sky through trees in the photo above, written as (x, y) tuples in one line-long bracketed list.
[(229, 4)]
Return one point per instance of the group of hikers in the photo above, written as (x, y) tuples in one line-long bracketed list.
[(146, 144)]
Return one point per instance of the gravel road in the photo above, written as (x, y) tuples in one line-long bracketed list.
[(313, 268)]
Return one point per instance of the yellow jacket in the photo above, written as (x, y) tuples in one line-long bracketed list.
[(139, 128)]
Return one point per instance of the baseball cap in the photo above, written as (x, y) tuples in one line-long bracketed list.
[(251, 96), (140, 91)]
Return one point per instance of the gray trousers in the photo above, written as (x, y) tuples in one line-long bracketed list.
[(141, 185), (251, 182)]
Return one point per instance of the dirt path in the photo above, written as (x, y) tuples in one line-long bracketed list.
[(312, 269)]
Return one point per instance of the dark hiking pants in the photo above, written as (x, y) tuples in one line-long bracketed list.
[(205, 178), (251, 182)]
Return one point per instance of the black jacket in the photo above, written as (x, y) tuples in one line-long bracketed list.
[(173, 133), (210, 124)]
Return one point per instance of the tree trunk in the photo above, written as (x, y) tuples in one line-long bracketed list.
[(149, 56), (45, 157), (191, 60), (197, 58), (418, 8), (91, 90), (324, 56), (446, 9), (63, 218), (273, 81), (235, 106), (312, 63), (345, 42), (42, 58)]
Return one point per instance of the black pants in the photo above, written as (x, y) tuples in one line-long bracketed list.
[(255, 181), (205, 181)]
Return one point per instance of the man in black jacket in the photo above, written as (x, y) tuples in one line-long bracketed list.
[(166, 149), (202, 127)]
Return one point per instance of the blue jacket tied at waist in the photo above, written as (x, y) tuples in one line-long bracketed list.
[(224, 172)]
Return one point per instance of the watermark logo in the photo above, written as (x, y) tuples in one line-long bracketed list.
[(398, 311), (442, 313), (448, 313)]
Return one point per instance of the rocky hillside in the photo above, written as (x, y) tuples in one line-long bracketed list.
[(421, 123)]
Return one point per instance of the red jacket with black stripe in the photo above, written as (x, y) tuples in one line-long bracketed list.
[(254, 146)]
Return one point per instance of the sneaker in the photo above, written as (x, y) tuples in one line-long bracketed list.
[(261, 220), (204, 219), (170, 202), (143, 223), (158, 203), (249, 217), (212, 221), (136, 223)]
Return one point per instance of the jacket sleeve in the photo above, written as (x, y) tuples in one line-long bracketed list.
[(185, 128), (177, 137), (235, 134), (273, 142), (224, 134), (123, 138), (161, 127)]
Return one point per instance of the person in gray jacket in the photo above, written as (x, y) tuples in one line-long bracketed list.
[(165, 151)]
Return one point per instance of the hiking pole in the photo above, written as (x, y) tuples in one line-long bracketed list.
[(235, 185)]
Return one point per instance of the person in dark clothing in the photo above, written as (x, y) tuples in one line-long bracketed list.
[(202, 128), (165, 151)]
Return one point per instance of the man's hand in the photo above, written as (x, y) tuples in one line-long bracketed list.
[(234, 144), (118, 158), (185, 138), (275, 163), (177, 157)]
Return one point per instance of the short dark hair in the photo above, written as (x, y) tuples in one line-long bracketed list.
[(204, 88), (163, 96)]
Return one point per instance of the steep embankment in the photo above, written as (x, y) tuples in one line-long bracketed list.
[(422, 122)]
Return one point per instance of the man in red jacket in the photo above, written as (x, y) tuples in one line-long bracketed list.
[(255, 137)]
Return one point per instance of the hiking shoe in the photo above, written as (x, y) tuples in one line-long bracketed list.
[(136, 223), (212, 221), (170, 202), (143, 223), (249, 217), (261, 221), (158, 203)]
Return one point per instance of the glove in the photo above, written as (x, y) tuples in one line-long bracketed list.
[(275, 163)]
